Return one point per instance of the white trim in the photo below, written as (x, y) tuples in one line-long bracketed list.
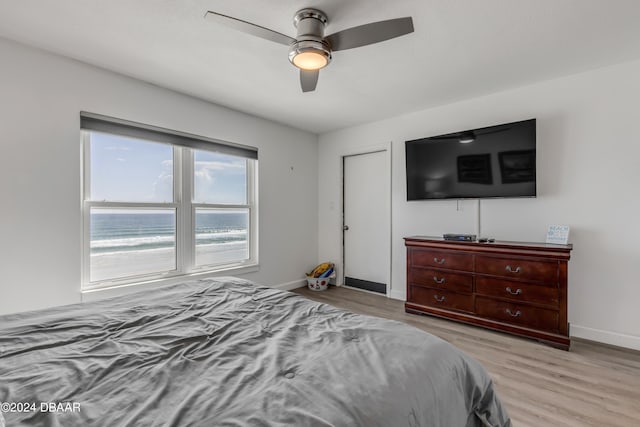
[(184, 189), (288, 286), (355, 151), (219, 206), (132, 205), (85, 184), (390, 194), (397, 294), (253, 200), (606, 337), (358, 151)]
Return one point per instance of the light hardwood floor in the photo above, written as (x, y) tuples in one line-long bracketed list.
[(591, 385)]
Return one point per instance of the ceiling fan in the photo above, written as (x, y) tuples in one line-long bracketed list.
[(311, 50)]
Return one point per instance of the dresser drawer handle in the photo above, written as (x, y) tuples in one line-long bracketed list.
[(511, 270), (512, 292), (441, 299), (512, 314), (438, 260), (440, 280)]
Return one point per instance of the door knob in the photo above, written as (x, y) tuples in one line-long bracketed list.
[(345, 227)]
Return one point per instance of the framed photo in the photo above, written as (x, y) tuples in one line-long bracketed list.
[(475, 168), (517, 166)]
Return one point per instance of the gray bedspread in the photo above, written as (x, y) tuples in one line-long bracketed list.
[(227, 352)]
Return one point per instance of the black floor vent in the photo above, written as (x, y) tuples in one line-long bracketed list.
[(380, 288)]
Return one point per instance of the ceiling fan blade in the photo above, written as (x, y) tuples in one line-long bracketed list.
[(309, 80), (370, 33), (249, 28)]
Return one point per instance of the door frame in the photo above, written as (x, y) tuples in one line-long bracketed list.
[(359, 151)]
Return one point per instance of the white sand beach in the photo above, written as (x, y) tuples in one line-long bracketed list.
[(132, 263)]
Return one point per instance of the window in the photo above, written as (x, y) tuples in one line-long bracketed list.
[(160, 204)]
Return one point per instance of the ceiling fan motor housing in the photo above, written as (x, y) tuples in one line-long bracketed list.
[(310, 24)]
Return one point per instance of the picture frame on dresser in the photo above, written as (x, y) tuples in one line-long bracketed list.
[(514, 287)]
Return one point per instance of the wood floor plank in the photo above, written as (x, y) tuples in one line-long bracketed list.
[(591, 385)]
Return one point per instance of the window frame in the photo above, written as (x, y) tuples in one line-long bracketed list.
[(185, 211)]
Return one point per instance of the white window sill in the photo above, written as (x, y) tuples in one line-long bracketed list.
[(126, 288)]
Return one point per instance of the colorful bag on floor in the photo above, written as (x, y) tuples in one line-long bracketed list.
[(322, 269)]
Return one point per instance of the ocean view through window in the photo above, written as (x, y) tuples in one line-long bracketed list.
[(155, 209), (221, 236)]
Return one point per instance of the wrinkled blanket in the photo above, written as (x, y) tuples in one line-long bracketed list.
[(227, 352)]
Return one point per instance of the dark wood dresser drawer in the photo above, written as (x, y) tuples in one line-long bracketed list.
[(517, 291), (540, 271), (441, 299), (441, 279), (441, 259), (531, 317)]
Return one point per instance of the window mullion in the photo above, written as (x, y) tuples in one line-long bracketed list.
[(219, 206), (252, 201), (132, 205), (187, 234)]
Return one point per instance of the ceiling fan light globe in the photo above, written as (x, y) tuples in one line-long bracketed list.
[(310, 61), (309, 55)]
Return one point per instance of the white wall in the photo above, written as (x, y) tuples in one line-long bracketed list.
[(588, 178), (41, 96)]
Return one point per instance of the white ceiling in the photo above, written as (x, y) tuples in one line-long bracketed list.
[(460, 49)]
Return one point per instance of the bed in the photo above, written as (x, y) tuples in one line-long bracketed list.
[(228, 352)]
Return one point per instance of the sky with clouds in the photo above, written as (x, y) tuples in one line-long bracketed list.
[(131, 170)]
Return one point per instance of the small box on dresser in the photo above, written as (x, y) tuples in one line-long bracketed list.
[(515, 287)]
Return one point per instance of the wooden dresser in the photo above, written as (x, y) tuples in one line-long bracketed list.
[(516, 287)]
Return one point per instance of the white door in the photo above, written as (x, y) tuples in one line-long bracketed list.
[(367, 227)]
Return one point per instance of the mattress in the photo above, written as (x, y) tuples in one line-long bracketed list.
[(228, 352)]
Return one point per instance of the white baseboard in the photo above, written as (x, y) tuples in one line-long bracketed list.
[(606, 337), (288, 286)]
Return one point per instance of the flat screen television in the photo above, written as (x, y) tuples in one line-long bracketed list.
[(495, 161)]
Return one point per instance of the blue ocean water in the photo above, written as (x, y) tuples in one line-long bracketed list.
[(119, 232)]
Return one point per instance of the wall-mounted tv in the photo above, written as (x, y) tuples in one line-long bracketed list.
[(495, 161)]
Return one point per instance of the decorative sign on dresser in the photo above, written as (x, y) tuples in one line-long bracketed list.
[(515, 287)]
